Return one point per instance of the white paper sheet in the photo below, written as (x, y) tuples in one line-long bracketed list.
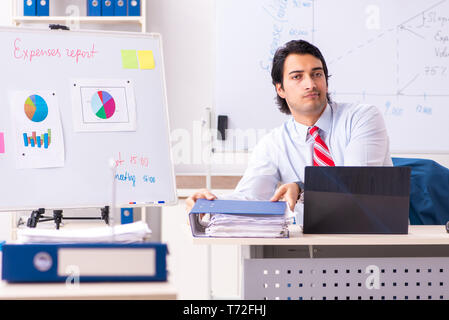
[(103, 105), (125, 233), (37, 129), (233, 225)]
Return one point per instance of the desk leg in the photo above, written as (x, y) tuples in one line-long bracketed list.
[(311, 251), (14, 222), (143, 212), (210, 294), (245, 253)]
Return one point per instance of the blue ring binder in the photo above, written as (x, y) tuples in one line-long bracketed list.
[(40, 262)]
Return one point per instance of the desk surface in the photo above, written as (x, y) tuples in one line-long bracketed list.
[(418, 235), (86, 291)]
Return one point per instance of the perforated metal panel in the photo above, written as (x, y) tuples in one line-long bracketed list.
[(347, 279)]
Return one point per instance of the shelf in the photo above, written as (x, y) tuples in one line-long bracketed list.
[(18, 18), (125, 19)]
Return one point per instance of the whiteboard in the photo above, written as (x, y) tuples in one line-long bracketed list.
[(391, 54), (103, 125)]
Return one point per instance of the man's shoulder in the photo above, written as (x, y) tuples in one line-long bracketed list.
[(275, 135), (354, 109)]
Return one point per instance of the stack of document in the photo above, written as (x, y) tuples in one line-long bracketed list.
[(253, 226), (235, 218), (125, 233)]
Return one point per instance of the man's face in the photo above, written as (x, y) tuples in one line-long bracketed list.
[(304, 86)]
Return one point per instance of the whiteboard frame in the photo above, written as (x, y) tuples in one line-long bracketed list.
[(165, 99)]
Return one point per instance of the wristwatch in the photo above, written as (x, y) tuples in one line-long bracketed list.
[(301, 190)]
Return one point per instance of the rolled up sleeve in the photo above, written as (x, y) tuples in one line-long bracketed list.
[(368, 139), (260, 179)]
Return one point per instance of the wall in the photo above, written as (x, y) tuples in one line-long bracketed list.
[(5, 13), (188, 33)]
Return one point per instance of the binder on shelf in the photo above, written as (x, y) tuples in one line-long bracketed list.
[(58, 262), (94, 7), (29, 7), (120, 8), (42, 7), (107, 8), (126, 215), (237, 218), (133, 7)]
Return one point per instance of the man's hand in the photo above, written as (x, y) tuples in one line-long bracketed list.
[(201, 194), (288, 192)]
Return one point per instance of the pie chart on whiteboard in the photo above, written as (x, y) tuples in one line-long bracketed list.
[(36, 109), (103, 105)]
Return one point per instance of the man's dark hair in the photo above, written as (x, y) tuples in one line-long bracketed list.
[(277, 70)]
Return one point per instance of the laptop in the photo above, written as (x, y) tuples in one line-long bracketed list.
[(356, 200)]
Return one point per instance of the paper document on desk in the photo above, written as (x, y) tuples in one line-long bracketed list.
[(125, 233), (235, 218)]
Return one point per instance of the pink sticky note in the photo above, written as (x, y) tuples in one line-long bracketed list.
[(2, 142)]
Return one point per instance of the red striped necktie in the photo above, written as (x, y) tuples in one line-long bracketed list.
[(321, 154)]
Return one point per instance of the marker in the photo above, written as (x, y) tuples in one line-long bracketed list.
[(155, 202), (150, 202)]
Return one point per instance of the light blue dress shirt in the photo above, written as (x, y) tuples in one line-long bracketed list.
[(354, 133)]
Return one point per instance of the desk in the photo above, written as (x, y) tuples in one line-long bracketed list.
[(417, 235), (87, 291), (385, 267)]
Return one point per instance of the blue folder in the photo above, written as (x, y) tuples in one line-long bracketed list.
[(238, 207), (107, 8), (29, 7), (43, 7), (95, 262), (133, 7), (126, 215), (120, 8), (94, 7)]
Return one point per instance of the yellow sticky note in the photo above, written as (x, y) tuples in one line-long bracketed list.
[(129, 59), (146, 59)]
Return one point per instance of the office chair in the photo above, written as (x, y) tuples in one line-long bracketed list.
[(429, 191)]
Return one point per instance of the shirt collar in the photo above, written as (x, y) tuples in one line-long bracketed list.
[(324, 123)]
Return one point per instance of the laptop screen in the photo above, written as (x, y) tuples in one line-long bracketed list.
[(356, 200)]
